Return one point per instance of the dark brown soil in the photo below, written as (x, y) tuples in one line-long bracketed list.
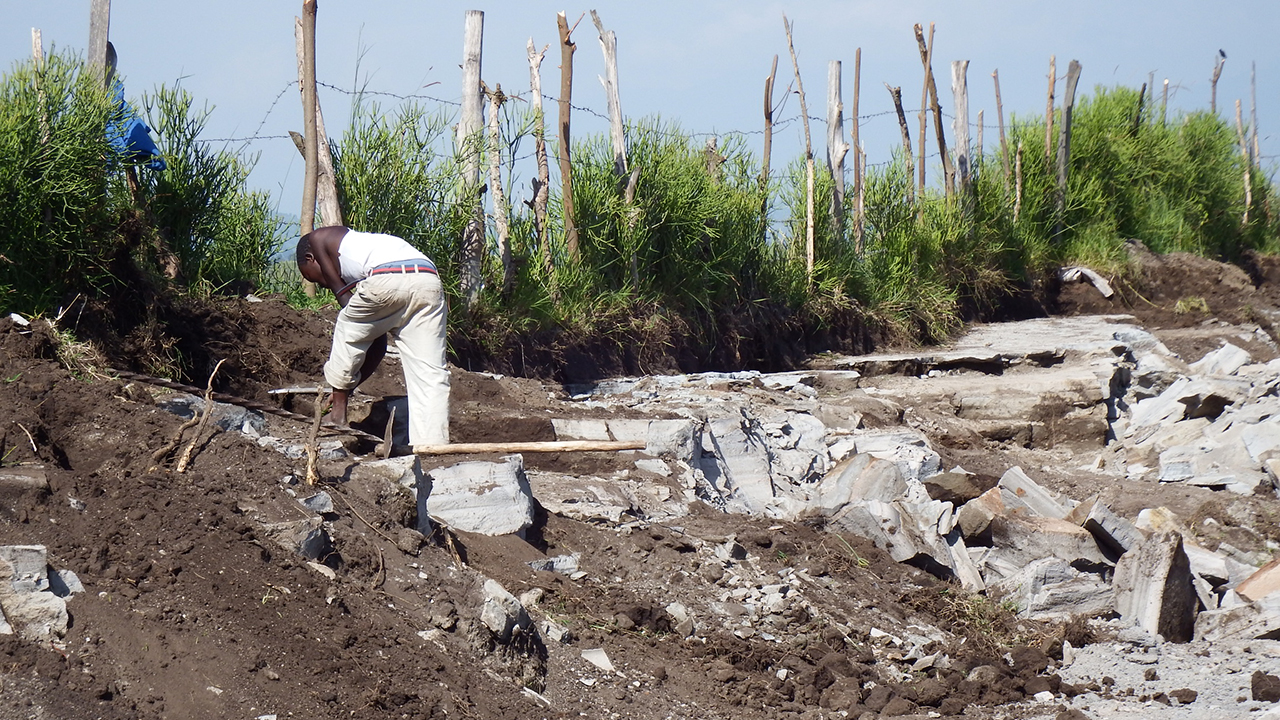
[(1175, 295), (192, 611)]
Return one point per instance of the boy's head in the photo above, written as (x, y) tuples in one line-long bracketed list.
[(307, 264)]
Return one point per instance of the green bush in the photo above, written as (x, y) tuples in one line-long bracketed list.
[(396, 174), (221, 232), (689, 238), (69, 223), (57, 198)]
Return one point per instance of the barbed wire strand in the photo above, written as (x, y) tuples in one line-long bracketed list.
[(862, 119)]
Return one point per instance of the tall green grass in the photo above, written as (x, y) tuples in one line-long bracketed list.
[(69, 224), (686, 252), (57, 196), (223, 233), (689, 244), (396, 174)]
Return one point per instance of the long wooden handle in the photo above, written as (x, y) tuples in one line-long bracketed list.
[(545, 446)]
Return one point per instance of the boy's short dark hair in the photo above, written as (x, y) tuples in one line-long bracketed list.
[(304, 247)]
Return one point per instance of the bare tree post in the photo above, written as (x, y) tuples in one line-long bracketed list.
[(501, 226), (960, 126), (37, 57), (1244, 154), (768, 148), (99, 34), (896, 94), (976, 162), (926, 56), (924, 104), (1218, 62), (307, 219), (837, 148), (713, 159), (633, 217), (860, 239), (859, 169), (1137, 113), (609, 46), (1048, 112), (566, 166), (1004, 145), (808, 159), (541, 184), (326, 184), (1253, 112), (469, 142), (1164, 103), (617, 137), (1064, 146), (1017, 182)]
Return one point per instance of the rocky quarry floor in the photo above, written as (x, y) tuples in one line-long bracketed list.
[(1066, 517)]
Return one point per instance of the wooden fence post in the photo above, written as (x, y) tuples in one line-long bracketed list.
[(1137, 113), (975, 162), (566, 166), (1004, 145), (1064, 145), (37, 57), (837, 148), (960, 125), (768, 148), (326, 184), (1253, 112), (1218, 62), (1048, 113), (469, 137), (926, 57), (541, 184), (1017, 182), (808, 159), (306, 220), (1244, 154), (924, 103), (896, 94), (859, 166), (609, 46), (501, 225), (1164, 103), (99, 34), (861, 158)]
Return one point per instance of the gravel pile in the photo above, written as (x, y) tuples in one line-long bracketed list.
[(1137, 677)]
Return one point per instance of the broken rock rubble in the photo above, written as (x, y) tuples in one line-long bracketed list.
[(777, 446), (33, 601), (1214, 423)]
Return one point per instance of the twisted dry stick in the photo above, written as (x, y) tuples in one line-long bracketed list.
[(204, 420), (313, 452)]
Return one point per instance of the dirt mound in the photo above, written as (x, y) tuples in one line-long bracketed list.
[(1184, 299), (193, 607)]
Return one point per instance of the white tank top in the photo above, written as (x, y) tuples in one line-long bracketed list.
[(360, 252)]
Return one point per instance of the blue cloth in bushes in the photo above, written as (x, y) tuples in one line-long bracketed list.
[(130, 136)]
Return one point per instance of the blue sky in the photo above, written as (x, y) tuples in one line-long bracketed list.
[(701, 64)]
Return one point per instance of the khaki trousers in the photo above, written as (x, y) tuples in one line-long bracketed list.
[(411, 311)]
